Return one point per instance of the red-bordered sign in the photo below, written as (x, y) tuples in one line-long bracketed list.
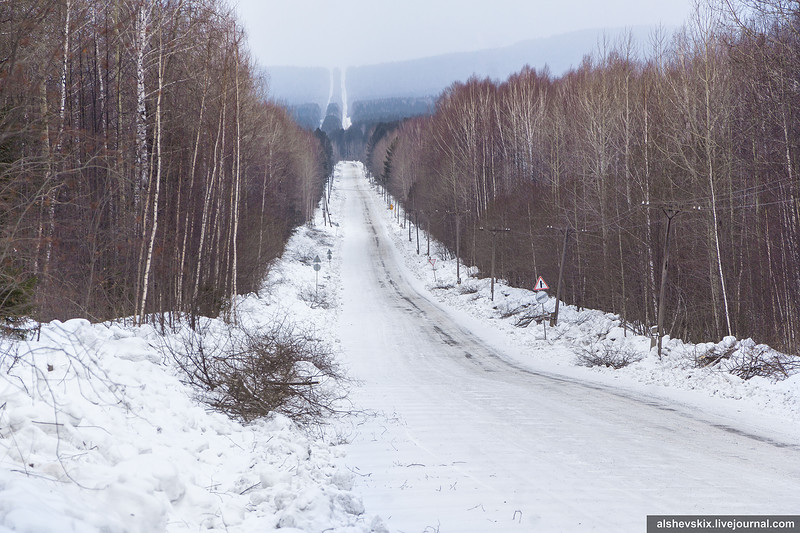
[(541, 285)]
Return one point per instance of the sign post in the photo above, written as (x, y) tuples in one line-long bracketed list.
[(542, 297), (317, 267)]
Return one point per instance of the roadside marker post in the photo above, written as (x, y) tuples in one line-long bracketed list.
[(542, 297), (317, 268)]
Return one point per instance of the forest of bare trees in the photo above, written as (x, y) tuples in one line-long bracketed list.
[(142, 167), (701, 131)]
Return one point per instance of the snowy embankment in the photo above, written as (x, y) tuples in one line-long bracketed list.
[(680, 375), (98, 433)]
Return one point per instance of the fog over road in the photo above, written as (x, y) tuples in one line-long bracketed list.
[(459, 438)]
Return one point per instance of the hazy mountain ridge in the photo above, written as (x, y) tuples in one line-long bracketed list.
[(430, 76)]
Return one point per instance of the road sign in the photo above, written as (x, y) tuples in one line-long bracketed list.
[(542, 297), (317, 268), (541, 285)]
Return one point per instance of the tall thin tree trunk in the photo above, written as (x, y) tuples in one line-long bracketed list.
[(157, 185), (710, 170), (235, 186), (187, 226), (142, 173), (52, 188), (204, 222)]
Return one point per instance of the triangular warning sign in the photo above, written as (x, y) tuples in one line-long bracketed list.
[(541, 285)]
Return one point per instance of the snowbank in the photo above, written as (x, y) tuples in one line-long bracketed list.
[(98, 433)]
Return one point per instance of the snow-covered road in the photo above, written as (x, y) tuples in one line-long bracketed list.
[(457, 437)]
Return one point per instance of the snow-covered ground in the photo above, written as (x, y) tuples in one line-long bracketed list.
[(460, 420)]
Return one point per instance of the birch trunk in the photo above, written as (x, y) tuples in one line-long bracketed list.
[(142, 19), (156, 185), (52, 190), (236, 185), (205, 215)]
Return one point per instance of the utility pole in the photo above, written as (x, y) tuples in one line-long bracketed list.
[(317, 268), (494, 232), (671, 210), (458, 250), (458, 214), (567, 231), (428, 234), (416, 227)]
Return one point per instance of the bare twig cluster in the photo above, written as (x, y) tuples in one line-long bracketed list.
[(250, 374), (608, 354), (316, 297), (748, 360)]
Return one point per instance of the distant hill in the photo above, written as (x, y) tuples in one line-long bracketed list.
[(430, 76), (391, 109)]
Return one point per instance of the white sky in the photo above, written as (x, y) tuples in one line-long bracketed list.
[(357, 32)]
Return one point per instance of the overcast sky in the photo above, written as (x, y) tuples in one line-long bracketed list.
[(358, 32)]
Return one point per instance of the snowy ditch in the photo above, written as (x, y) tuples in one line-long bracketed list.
[(99, 432)]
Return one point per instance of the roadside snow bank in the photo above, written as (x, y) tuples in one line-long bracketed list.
[(98, 433)]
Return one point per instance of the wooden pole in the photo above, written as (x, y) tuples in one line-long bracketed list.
[(663, 290), (494, 235), (554, 319)]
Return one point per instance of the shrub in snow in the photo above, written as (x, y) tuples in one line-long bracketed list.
[(747, 359), (472, 271), (468, 287), (316, 298), (637, 328), (608, 354), (511, 307), (250, 374), (443, 285), (306, 255)]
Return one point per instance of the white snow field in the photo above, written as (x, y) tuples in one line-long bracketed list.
[(473, 427), (459, 421)]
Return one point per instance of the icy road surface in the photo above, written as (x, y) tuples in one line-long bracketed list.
[(461, 439)]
